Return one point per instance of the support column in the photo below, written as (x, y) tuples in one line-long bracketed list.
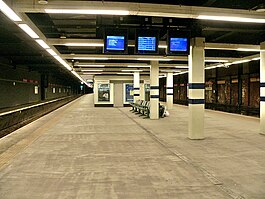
[(142, 92), (196, 89), (169, 91), (154, 90), (136, 86), (262, 88)]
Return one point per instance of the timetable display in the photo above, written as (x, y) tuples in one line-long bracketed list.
[(115, 43), (178, 44), (146, 41), (147, 44)]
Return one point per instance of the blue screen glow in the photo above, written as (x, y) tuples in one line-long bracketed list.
[(147, 44), (115, 43), (178, 44)]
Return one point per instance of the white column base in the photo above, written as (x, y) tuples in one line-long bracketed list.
[(169, 102), (262, 118), (154, 109), (196, 121)]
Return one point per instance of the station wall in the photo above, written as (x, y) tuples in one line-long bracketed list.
[(235, 89), (19, 86)]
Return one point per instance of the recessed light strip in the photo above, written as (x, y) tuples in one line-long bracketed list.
[(14, 17), (29, 31), (9, 12), (232, 19), (51, 52), (124, 73), (42, 43), (139, 66), (84, 44), (131, 70), (95, 73), (91, 58), (181, 73), (63, 62), (216, 60), (89, 65), (248, 50), (91, 70), (87, 12)]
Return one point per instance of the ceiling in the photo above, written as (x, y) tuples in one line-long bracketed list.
[(58, 29)]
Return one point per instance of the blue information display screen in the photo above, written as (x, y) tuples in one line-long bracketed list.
[(115, 43), (147, 44), (178, 44)]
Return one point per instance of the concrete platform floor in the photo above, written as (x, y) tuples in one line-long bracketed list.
[(80, 151)]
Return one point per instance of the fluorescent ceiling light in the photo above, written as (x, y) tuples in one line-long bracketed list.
[(28, 30), (170, 71), (9, 12), (124, 73), (241, 61), (91, 70), (75, 73), (42, 44), (215, 60), (89, 65), (131, 70), (92, 58), (211, 67), (88, 12), (85, 44), (255, 59), (217, 66), (51, 52), (92, 73), (247, 49), (63, 62), (139, 66), (153, 59), (80, 78), (176, 72), (181, 66), (181, 73), (232, 19)]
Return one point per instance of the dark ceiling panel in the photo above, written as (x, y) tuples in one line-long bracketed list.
[(234, 4)]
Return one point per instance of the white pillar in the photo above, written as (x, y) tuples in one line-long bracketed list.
[(196, 89), (169, 91), (262, 88), (154, 90), (142, 94), (136, 86)]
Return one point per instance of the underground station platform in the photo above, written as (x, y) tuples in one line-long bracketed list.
[(132, 99), (82, 151)]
